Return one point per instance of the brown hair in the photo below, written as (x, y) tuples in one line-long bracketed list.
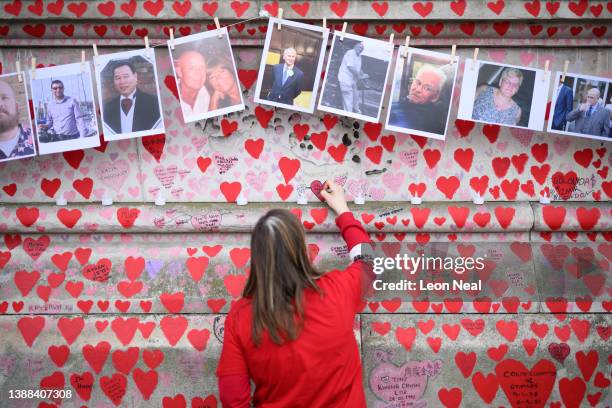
[(280, 271)]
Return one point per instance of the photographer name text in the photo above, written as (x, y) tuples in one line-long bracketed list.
[(419, 285)]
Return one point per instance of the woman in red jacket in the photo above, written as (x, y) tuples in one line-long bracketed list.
[(292, 331)]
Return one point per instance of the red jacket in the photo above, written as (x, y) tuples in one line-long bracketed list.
[(322, 367)]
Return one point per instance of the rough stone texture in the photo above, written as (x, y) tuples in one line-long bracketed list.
[(573, 217), (131, 360), (473, 359), (387, 217)]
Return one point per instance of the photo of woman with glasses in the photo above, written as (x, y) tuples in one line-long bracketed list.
[(504, 94), (496, 105)]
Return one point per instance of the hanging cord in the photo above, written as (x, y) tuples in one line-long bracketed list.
[(262, 14)]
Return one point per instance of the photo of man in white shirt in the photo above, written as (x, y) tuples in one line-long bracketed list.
[(191, 75), (356, 77), (350, 76)]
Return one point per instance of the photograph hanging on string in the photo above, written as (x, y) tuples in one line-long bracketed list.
[(128, 90), (291, 65), (64, 108), (356, 76), (581, 106), (503, 94), (206, 76), (16, 137), (422, 92)]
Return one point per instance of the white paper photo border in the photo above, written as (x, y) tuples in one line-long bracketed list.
[(272, 25), (399, 71), (354, 115), (198, 37), (27, 108), (549, 128), (100, 62), (468, 94), (58, 72)]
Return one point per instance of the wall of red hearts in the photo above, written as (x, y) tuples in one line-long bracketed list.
[(121, 304)]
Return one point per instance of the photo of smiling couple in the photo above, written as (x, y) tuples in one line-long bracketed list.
[(207, 81)]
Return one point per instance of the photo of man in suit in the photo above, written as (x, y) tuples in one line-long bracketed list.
[(591, 117), (132, 110), (287, 82), (563, 106), (291, 64), (16, 139)]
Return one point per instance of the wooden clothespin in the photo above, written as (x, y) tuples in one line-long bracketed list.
[(565, 68), (546, 65), (19, 78), (324, 25), (407, 44), (391, 38), (343, 31), (280, 16), (33, 73), (218, 25), (95, 48), (146, 41), (453, 52), (82, 60), (172, 38), (474, 58)]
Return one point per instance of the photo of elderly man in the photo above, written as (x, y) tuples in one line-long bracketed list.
[(290, 66), (351, 77), (64, 119), (16, 141), (356, 76), (422, 93), (587, 109), (591, 116), (287, 79), (420, 109)]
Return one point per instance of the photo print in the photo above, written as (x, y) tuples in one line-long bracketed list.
[(291, 65), (356, 77), (16, 137), (64, 108), (504, 94), (421, 93), (206, 76), (128, 91), (582, 106)]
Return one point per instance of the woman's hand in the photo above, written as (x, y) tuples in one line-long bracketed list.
[(214, 100), (334, 197)]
